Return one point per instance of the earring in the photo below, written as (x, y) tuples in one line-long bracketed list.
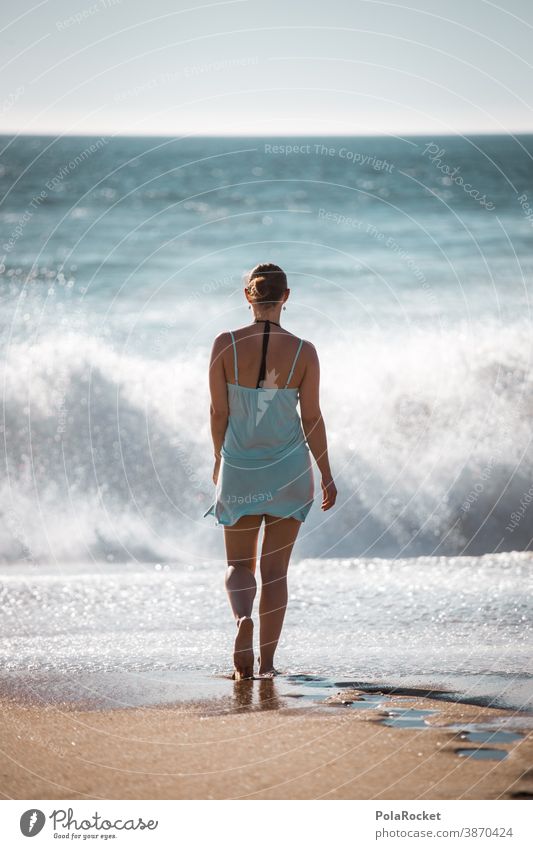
[(284, 308), (249, 306)]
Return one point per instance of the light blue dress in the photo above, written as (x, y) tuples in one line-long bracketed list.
[(266, 465)]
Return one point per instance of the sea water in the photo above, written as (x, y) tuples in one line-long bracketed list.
[(161, 632), (409, 262)]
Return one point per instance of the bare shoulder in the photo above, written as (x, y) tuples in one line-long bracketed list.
[(309, 353), (221, 343), (222, 340)]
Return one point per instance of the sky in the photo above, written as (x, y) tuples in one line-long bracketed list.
[(276, 67)]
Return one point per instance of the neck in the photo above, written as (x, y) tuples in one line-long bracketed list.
[(273, 316), (266, 321)]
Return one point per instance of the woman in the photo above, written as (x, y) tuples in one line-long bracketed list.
[(257, 375)]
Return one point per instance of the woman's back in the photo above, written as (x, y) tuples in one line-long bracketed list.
[(284, 350), (263, 420)]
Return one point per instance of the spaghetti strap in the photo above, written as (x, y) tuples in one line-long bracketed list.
[(236, 370), (294, 362)]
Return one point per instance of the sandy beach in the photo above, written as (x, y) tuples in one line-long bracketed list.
[(202, 751)]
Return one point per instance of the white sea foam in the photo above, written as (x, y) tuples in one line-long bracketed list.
[(108, 452)]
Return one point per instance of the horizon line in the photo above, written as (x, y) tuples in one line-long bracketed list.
[(415, 134)]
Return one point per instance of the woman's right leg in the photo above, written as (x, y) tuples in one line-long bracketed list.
[(241, 552), (278, 541)]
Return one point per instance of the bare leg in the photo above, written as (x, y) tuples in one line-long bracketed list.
[(241, 551), (280, 536)]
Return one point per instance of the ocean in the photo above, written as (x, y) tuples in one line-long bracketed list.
[(114, 636), (409, 262)]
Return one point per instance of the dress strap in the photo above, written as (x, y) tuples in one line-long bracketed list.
[(294, 363), (236, 370)]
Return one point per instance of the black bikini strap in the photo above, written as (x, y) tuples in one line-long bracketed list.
[(262, 370)]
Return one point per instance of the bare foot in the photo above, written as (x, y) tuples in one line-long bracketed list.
[(243, 651), (267, 671)]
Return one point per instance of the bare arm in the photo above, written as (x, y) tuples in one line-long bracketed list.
[(218, 410), (313, 425)]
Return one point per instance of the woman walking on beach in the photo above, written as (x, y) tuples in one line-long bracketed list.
[(262, 471)]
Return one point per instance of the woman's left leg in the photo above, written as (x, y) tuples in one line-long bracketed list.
[(278, 541), (241, 552)]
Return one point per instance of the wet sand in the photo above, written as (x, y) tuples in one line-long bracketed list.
[(206, 750)]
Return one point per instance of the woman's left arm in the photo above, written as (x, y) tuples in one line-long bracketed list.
[(219, 410)]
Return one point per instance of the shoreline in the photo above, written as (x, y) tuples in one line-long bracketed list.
[(78, 629), (354, 745), (115, 689)]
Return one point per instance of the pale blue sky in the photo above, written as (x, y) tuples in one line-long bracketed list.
[(273, 67)]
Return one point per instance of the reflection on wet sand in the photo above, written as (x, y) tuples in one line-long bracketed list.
[(267, 696)]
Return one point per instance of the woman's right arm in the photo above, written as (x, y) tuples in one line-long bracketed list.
[(218, 410), (313, 424)]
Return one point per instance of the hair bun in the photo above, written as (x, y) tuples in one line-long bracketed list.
[(258, 286), (266, 282)]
